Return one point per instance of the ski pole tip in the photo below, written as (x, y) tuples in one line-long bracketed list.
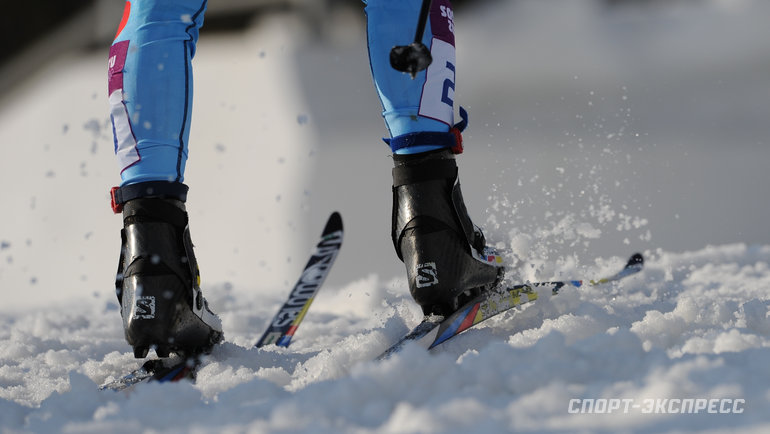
[(637, 260)]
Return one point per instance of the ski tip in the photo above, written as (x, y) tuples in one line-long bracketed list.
[(637, 260), (334, 223)]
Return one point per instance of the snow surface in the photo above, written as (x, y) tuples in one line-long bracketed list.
[(693, 325), (619, 132)]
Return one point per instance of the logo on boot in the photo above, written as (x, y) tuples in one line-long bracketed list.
[(145, 308), (427, 275)]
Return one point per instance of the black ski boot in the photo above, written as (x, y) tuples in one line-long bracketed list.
[(447, 260), (158, 282)]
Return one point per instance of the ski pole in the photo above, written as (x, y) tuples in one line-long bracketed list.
[(414, 57)]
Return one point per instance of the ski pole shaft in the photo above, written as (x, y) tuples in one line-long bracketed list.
[(414, 57), (422, 21)]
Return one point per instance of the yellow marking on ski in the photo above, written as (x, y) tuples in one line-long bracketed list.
[(303, 312), (513, 298), (492, 305), (479, 316)]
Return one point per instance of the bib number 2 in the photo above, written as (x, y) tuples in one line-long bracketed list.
[(437, 100)]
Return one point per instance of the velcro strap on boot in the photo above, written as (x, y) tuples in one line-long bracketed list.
[(159, 189), (157, 210), (452, 140)]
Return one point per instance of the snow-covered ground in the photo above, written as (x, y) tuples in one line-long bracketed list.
[(594, 133), (692, 326)]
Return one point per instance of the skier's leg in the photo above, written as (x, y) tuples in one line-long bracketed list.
[(425, 103), (444, 253), (151, 87), (150, 92)]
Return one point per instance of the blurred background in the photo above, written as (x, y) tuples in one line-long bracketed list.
[(597, 128)]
